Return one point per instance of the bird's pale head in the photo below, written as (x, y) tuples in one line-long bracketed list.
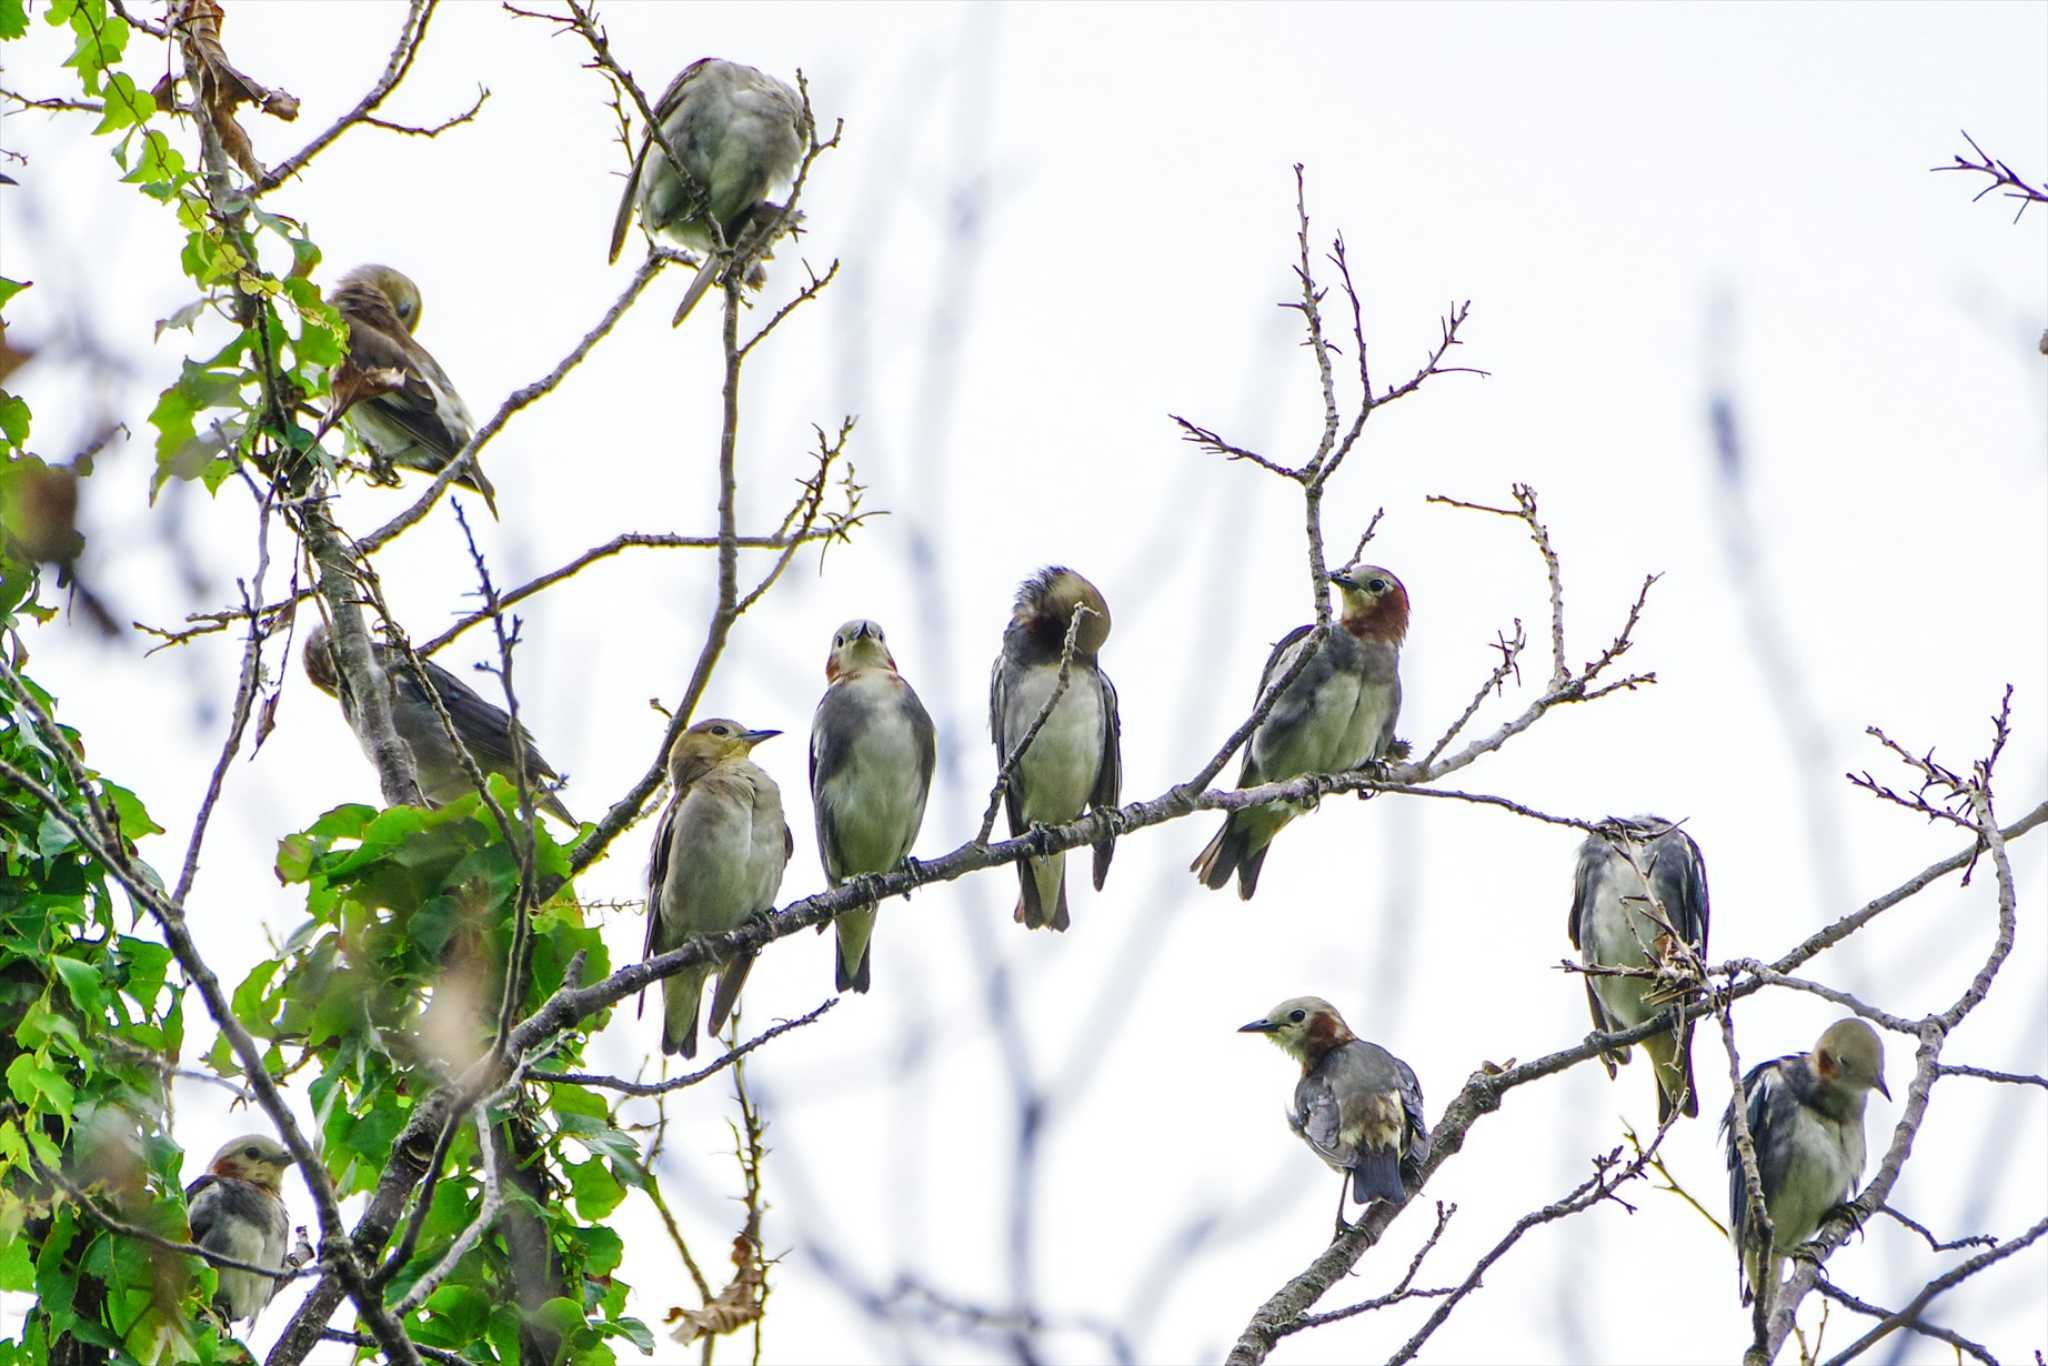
[(1305, 1028), (1048, 600), (1374, 603), (855, 646), (1850, 1054), (710, 744), (396, 287), (319, 659), (257, 1159)]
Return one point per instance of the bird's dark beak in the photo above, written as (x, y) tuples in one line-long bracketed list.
[(862, 631), (1882, 1089), (755, 737), (1342, 578), (1257, 1027)]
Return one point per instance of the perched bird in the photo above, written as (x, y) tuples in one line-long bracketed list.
[(738, 132), (1337, 714), (1641, 889), (237, 1210), (1805, 1116), (872, 754), (1357, 1105), (396, 395), (1076, 760), (718, 857), (486, 730)]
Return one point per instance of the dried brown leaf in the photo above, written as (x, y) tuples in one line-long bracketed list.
[(732, 1308), (220, 87)]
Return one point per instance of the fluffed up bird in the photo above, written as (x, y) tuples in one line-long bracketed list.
[(872, 754), (1337, 714), (237, 1210), (1076, 760), (718, 857), (396, 395), (1357, 1105), (738, 132), (1641, 889), (486, 731), (1805, 1115)]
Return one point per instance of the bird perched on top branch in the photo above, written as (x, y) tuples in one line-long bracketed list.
[(738, 132), (872, 754), (1076, 760), (1337, 714), (392, 391), (237, 1210), (487, 732)]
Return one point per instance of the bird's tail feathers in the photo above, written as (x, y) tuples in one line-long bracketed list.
[(1377, 1176), (1043, 883), (1219, 858), (681, 997), (731, 978), (856, 941), (1673, 1071), (1103, 853)]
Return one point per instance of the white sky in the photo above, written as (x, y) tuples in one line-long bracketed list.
[(1058, 225)]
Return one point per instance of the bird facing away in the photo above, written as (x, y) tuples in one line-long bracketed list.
[(1640, 890), (1805, 1115), (486, 730), (237, 1210), (1357, 1105), (872, 754), (396, 395), (738, 132), (718, 857), (1337, 714), (1076, 760)]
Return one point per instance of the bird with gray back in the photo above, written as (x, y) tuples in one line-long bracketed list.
[(873, 750), (488, 732), (237, 1210), (1337, 714), (719, 853), (392, 391), (1075, 762), (1639, 893), (738, 132), (1357, 1106), (1805, 1117)]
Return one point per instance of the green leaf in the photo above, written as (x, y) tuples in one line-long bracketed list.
[(463, 1309), (595, 1190), (135, 821), (603, 1250), (10, 288), (14, 419), (638, 1333), (30, 1081), (53, 837), (124, 104), (82, 981), (17, 1272), (13, 24)]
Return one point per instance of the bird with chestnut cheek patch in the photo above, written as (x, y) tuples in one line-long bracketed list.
[(1805, 1117), (1337, 714), (237, 1210), (873, 750), (1357, 1106)]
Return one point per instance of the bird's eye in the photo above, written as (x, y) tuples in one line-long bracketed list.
[(720, 730), (252, 1151), (1298, 1016), (1376, 585)]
